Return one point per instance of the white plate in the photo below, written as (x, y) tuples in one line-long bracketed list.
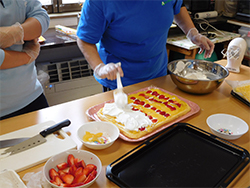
[(237, 126)]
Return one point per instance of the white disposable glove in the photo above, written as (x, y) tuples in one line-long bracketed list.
[(107, 71), (32, 48), (200, 40), (11, 35)]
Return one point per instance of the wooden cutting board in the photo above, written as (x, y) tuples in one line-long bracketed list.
[(55, 144)]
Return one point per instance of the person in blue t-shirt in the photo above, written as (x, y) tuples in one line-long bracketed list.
[(134, 33), (21, 23)]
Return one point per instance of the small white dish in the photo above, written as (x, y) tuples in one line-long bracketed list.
[(227, 126), (109, 130)]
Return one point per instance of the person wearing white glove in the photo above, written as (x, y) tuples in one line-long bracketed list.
[(112, 32), (185, 23), (11, 35), (28, 55), (107, 71), (200, 40), (21, 91), (32, 49), (101, 70)]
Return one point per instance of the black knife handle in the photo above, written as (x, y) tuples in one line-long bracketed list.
[(55, 128)]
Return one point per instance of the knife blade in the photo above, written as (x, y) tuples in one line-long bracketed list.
[(11, 142), (35, 140)]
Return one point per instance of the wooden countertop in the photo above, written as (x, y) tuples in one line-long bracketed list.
[(219, 101)]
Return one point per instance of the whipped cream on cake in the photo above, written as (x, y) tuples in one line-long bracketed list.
[(132, 120)]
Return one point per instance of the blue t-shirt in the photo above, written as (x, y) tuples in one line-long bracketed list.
[(131, 32)]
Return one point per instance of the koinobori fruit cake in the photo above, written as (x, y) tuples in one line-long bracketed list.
[(148, 110)]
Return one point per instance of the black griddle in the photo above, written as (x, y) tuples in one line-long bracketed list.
[(180, 156)]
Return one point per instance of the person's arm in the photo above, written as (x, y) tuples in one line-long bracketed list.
[(184, 21), (92, 56), (36, 24), (90, 53), (18, 33), (14, 59), (10, 59), (32, 29), (37, 20)]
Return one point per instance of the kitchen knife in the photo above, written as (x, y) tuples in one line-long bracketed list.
[(11, 142), (36, 140)]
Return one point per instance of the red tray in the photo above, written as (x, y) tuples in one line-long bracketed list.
[(92, 113)]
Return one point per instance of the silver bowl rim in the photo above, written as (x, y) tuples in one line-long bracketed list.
[(199, 60)]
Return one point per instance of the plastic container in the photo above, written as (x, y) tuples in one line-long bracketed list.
[(245, 33), (9, 178)]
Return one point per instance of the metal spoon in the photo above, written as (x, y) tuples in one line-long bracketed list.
[(184, 70)]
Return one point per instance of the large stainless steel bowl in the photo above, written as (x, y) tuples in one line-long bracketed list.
[(215, 73)]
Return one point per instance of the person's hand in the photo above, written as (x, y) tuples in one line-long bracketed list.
[(108, 71), (32, 49), (11, 35), (200, 40)]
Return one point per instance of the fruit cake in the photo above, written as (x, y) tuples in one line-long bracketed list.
[(147, 111)]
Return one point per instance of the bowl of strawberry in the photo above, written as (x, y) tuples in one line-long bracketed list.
[(73, 168)]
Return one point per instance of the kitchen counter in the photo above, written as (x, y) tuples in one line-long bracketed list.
[(56, 39), (219, 101), (57, 46)]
